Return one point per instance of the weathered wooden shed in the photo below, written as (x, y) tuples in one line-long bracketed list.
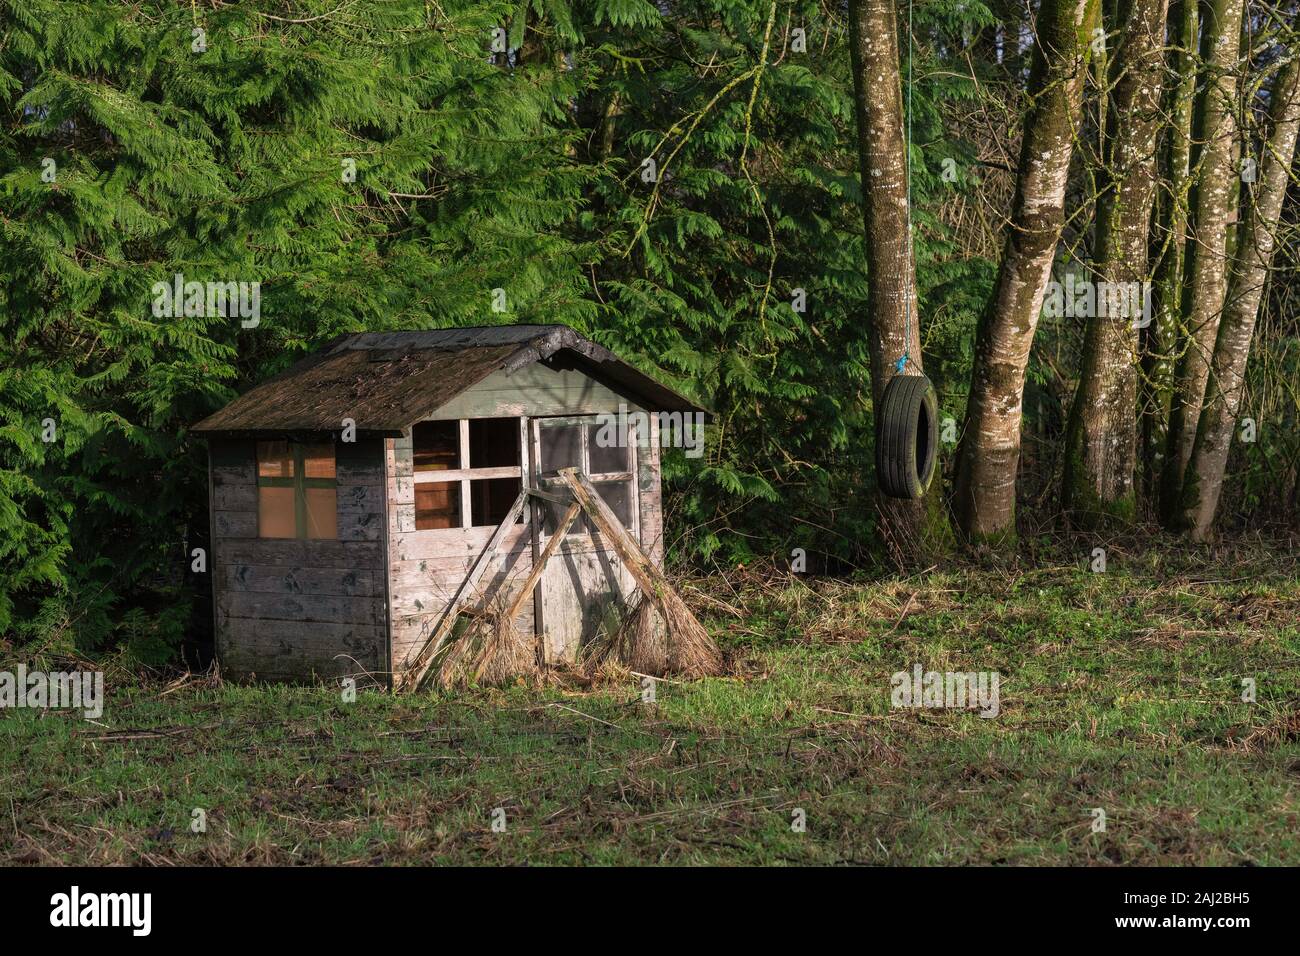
[(352, 494)]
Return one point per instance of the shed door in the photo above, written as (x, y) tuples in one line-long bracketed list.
[(584, 586)]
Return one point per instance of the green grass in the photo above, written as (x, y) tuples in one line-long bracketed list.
[(1119, 690)]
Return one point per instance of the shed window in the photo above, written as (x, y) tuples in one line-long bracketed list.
[(436, 446), (610, 465), (297, 490), (468, 472)]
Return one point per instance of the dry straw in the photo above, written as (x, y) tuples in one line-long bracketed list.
[(658, 642), (490, 650)]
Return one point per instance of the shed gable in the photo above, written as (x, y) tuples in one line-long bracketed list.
[(535, 389)]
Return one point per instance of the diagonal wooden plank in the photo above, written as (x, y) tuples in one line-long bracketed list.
[(540, 564), (534, 575), (684, 630), (414, 674), (650, 579)]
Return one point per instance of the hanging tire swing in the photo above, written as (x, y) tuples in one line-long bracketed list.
[(907, 421), (907, 436)]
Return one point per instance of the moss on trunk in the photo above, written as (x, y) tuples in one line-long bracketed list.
[(984, 497)]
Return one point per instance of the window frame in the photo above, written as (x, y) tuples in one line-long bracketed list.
[(299, 482), (465, 474), (631, 475)]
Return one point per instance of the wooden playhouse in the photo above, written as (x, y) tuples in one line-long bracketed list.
[(366, 494)]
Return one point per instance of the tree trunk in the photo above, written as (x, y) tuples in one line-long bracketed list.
[(911, 529), (1169, 241), (1101, 441), (1213, 133), (984, 498), (1204, 482), (608, 122)]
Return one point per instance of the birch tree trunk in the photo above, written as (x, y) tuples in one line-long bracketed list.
[(910, 528), (1169, 242), (1101, 441), (984, 499), (1213, 135), (1204, 482)]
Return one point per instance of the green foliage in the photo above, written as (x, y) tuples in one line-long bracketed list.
[(734, 273), (758, 198), (700, 269), (226, 164)]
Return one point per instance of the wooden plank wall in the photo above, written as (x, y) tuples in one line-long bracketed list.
[(649, 481), (304, 609), (289, 609), (424, 568), (584, 592)]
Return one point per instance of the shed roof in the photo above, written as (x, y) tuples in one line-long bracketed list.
[(387, 381)]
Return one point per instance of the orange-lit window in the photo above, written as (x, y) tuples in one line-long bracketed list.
[(468, 472), (437, 506), (297, 490)]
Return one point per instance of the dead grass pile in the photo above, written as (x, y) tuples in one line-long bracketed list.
[(659, 638), (489, 650)]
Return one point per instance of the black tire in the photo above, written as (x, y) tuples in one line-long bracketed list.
[(907, 436)]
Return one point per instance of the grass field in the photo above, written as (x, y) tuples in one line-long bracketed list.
[(1119, 691)]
